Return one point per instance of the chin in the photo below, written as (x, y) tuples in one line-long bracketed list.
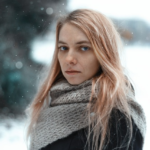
[(75, 81)]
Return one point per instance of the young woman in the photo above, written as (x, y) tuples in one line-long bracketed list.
[(86, 102)]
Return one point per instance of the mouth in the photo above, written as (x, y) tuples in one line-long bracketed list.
[(72, 72)]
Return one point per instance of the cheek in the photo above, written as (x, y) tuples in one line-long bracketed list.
[(60, 60), (60, 57), (92, 65)]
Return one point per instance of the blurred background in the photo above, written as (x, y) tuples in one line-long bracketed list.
[(27, 38)]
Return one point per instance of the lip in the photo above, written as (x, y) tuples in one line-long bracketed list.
[(72, 72)]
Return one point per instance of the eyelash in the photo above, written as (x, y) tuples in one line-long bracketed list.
[(67, 48)]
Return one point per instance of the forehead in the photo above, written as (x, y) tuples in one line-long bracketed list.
[(70, 32)]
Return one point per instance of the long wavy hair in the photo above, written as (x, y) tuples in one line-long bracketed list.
[(114, 85)]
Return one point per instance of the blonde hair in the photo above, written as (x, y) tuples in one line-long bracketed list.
[(114, 86)]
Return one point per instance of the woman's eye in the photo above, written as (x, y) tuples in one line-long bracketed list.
[(85, 48), (62, 48)]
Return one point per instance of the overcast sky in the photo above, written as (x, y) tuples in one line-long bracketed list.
[(116, 8)]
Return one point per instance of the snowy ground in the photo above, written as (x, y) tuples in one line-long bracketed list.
[(137, 61), (12, 134)]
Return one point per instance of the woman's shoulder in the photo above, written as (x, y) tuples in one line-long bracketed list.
[(120, 121), (136, 113), (120, 132)]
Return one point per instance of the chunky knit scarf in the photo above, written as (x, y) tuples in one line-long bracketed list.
[(67, 113)]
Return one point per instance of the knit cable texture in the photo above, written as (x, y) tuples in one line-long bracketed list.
[(67, 113)]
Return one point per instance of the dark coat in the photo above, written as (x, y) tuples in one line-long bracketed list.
[(118, 130)]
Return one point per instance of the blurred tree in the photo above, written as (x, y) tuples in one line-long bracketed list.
[(20, 22)]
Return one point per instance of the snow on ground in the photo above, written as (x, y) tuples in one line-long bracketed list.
[(12, 134), (136, 60)]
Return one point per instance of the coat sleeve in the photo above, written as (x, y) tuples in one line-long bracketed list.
[(119, 134)]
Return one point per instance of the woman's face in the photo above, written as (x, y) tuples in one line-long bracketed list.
[(76, 57)]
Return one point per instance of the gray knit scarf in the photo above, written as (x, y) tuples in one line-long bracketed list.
[(67, 113)]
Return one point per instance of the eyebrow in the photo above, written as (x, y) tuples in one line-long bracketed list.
[(80, 42)]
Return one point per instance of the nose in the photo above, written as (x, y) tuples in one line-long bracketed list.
[(71, 58)]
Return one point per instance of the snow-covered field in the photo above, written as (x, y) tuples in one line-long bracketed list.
[(12, 134), (136, 60)]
